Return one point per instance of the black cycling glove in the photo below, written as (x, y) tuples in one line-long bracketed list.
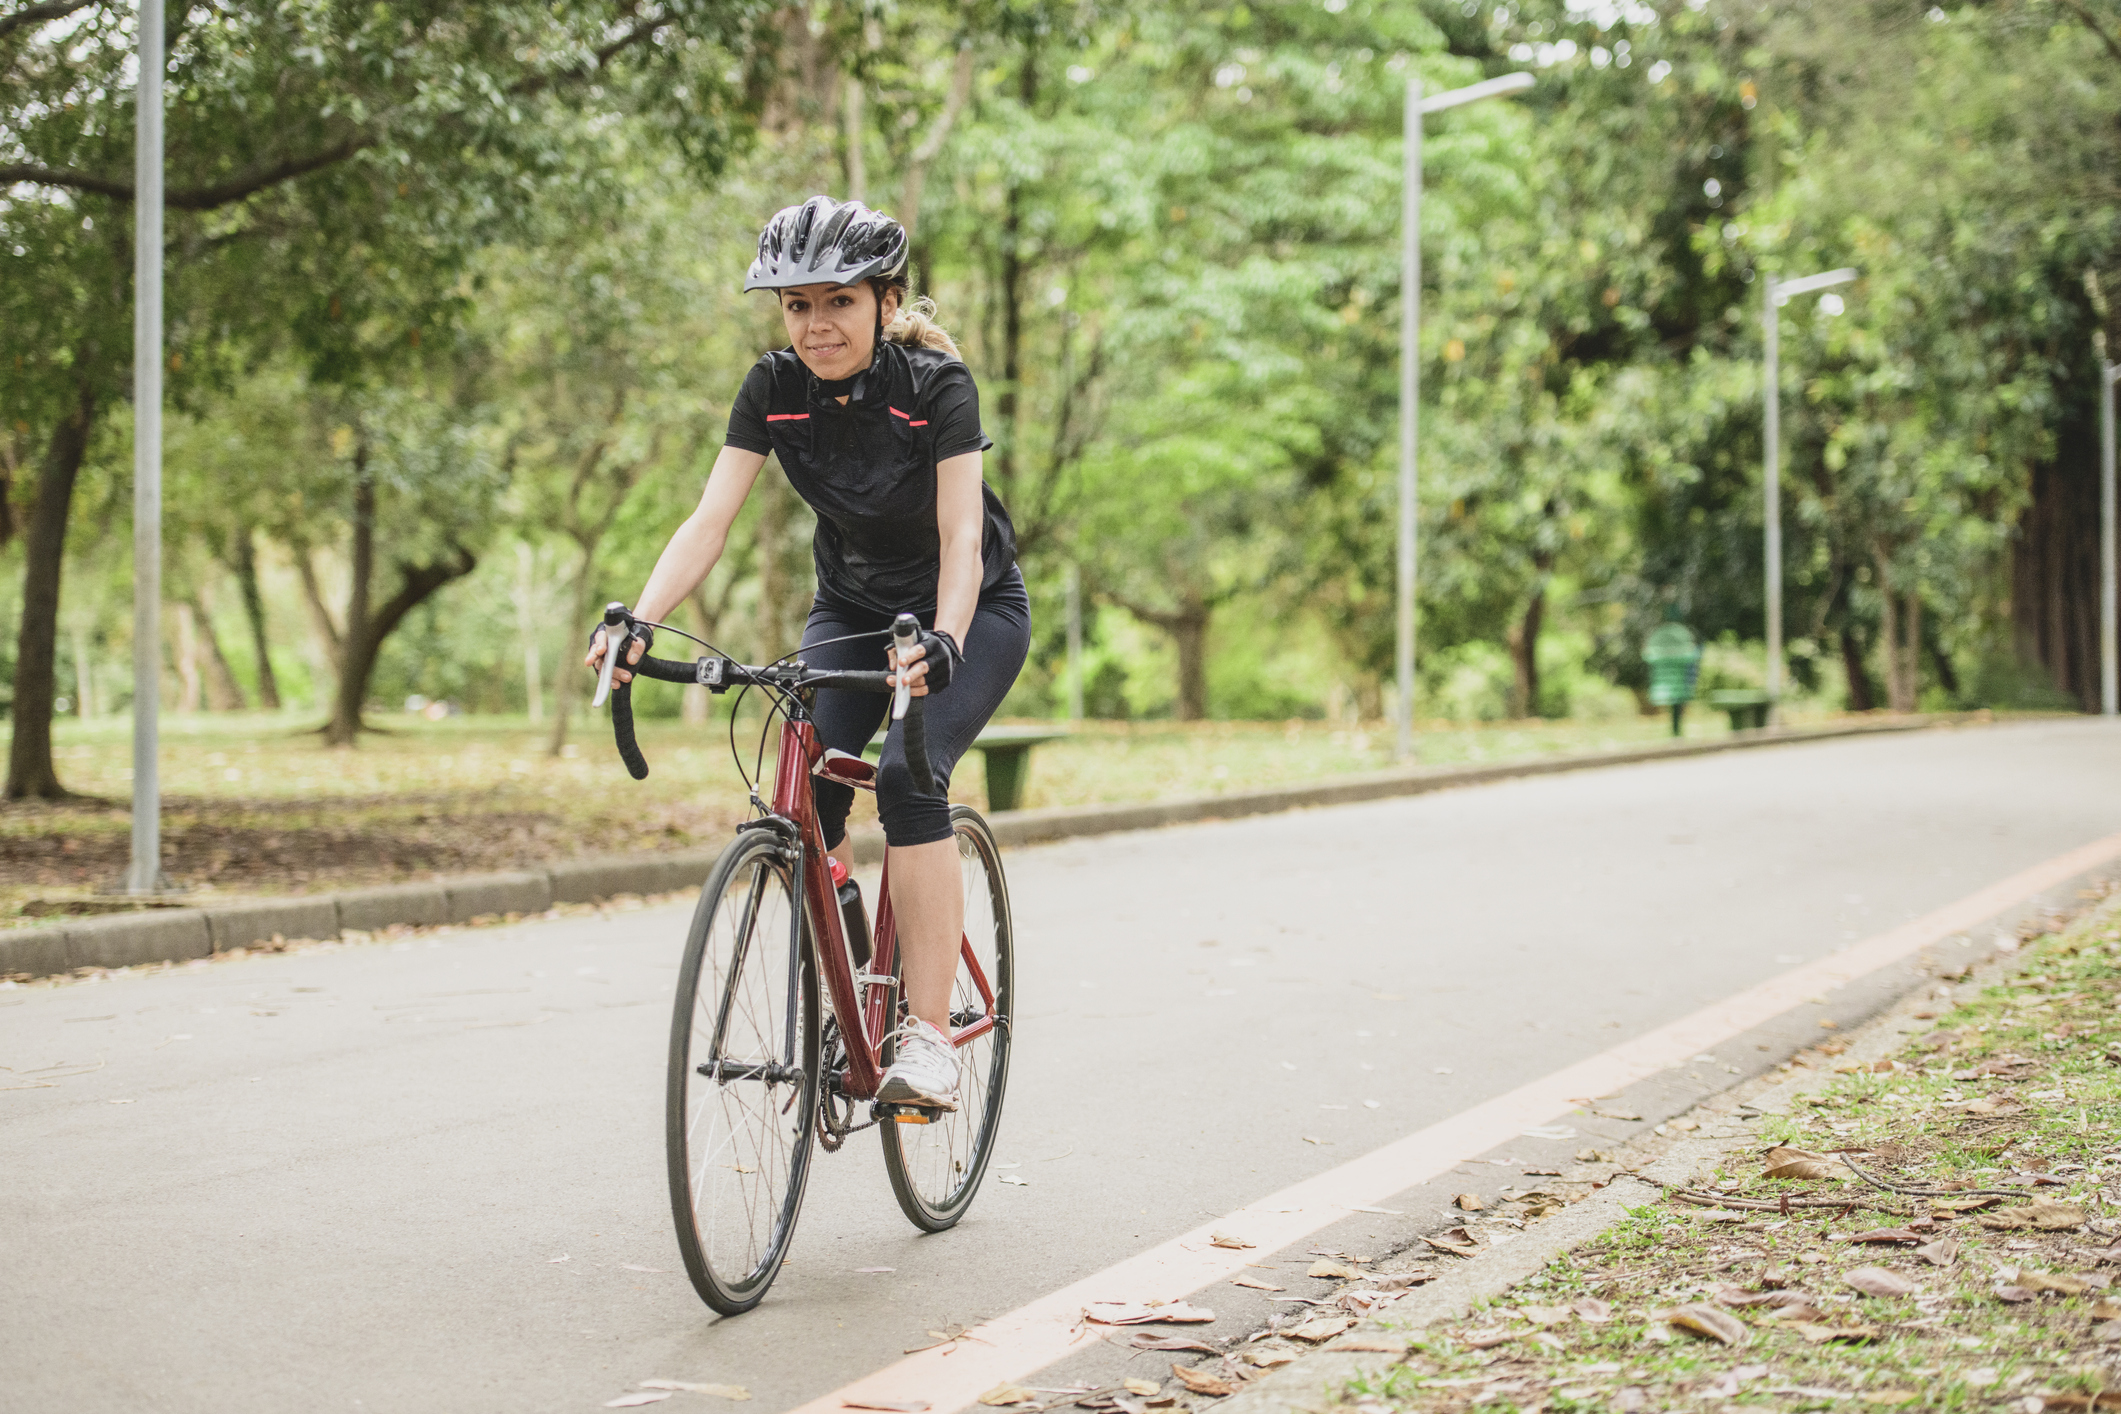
[(941, 654)]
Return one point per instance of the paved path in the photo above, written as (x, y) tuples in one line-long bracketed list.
[(342, 1179)]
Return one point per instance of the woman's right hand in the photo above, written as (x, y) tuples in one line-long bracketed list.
[(598, 641)]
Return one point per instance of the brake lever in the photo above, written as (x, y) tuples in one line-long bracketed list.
[(615, 618), (905, 635)]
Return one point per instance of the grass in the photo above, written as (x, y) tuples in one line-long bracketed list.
[(257, 804), (2037, 1059)]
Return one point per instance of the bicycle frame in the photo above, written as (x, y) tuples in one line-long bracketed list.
[(863, 1008)]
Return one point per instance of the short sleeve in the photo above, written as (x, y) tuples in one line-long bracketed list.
[(953, 410), (747, 415)]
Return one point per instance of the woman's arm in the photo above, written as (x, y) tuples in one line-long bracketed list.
[(961, 522), (695, 547)]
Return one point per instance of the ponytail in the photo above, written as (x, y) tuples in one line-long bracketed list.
[(915, 325)]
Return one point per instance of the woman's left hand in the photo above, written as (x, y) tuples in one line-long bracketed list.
[(924, 671)]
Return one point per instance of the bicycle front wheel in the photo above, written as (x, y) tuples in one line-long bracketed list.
[(936, 1168), (742, 1103)]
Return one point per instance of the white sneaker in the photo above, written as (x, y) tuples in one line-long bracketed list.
[(925, 1069)]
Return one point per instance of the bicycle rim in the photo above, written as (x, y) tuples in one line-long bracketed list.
[(936, 1168), (742, 1103)]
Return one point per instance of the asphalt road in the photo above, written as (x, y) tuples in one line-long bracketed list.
[(428, 1175)]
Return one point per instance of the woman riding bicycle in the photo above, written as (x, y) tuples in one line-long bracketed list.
[(875, 422)]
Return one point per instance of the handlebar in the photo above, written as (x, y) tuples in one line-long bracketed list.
[(718, 675)]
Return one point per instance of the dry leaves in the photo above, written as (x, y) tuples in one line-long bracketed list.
[(1224, 1239), (1201, 1382), (1267, 1357), (1320, 1328), (1127, 1313), (1256, 1284), (1785, 1162), (1591, 1309), (1457, 1241), (1326, 1267), (1887, 1234), (1818, 1334), (1877, 1281), (1003, 1394), (1171, 1342), (2056, 1283), (1964, 1205), (1144, 1387), (689, 1387), (1941, 1253), (1545, 1315), (2041, 1216), (1469, 1202), (1707, 1321)]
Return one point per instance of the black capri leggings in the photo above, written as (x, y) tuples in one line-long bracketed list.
[(995, 647)]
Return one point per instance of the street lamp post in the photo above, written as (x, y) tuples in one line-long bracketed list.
[(2109, 681), (1410, 364), (1777, 294), (144, 874)]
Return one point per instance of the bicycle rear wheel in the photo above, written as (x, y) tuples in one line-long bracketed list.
[(743, 1090), (936, 1168)]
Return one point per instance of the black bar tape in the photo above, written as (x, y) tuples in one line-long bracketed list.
[(917, 747), (622, 729)]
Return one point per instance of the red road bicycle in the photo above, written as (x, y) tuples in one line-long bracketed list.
[(758, 1068)]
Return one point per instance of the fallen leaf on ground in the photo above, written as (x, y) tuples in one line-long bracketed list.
[(1171, 1342), (1785, 1162), (1019, 1182), (1313, 1139), (2104, 1310), (1009, 1394), (1728, 1295), (2013, 1294), (1593, 1156), (1469, 1202), (1127, 1313), (1320, 1328), (1707, 1320), (1628, 1115), (1545, 1315), (1819, 1334), (2105, 1399), (1235, 1244), (1326, 1267), (1201, 1382), (1591, 1309), (1941, 1253), (628, 1401), (1488, 1340), (1963, 1205), (2041, 1216), (725, 1391), (1877, 1281), (1887, 1234), (1268, 1357), (1991, 1105), (1799, 1315), (1144, 1387), (1400, 1281), (2056, 1282), (1457, 1241), (1256, 1284)]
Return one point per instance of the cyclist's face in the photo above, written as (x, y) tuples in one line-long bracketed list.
[(833, 327)]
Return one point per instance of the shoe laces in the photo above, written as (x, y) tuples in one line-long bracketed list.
[(915, 1029)]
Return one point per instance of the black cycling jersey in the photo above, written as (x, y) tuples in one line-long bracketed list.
[(868, 468)]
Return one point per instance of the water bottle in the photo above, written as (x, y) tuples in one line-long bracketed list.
[(854, 917)]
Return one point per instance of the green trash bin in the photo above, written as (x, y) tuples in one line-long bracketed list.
[(1674, 658)]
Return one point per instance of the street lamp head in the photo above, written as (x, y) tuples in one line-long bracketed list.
[(1474, 92), (1786, 290)]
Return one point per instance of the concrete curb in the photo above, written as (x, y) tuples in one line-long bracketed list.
[(1312, 1383), (176, 934)]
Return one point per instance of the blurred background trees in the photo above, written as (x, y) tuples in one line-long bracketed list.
[(454, 325)]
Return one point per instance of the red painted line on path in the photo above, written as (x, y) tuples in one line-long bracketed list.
[(1010, 1347)]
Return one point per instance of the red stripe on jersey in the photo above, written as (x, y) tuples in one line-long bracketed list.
[(787, 416)]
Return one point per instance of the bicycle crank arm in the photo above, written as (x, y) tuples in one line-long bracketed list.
[(722, 1072)]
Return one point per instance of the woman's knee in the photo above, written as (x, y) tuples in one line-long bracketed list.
[(909, 817)]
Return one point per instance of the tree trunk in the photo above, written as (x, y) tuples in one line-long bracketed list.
[(1190, 632), (1940, 660), (30, 772), (357, 646), (254, 611), (187, 660), (363, 640), (223, 694), (2054, 604), (1524, 656), (84, 676), (1862, 696), (1900, 626), (567, 673)]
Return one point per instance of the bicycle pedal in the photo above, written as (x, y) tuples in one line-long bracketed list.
[(904, 1114)]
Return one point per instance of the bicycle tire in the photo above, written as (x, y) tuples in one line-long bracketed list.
[(936, 1168), (749, 976)]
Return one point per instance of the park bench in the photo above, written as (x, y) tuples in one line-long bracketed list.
[(1748, 707), (1007, 751)]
